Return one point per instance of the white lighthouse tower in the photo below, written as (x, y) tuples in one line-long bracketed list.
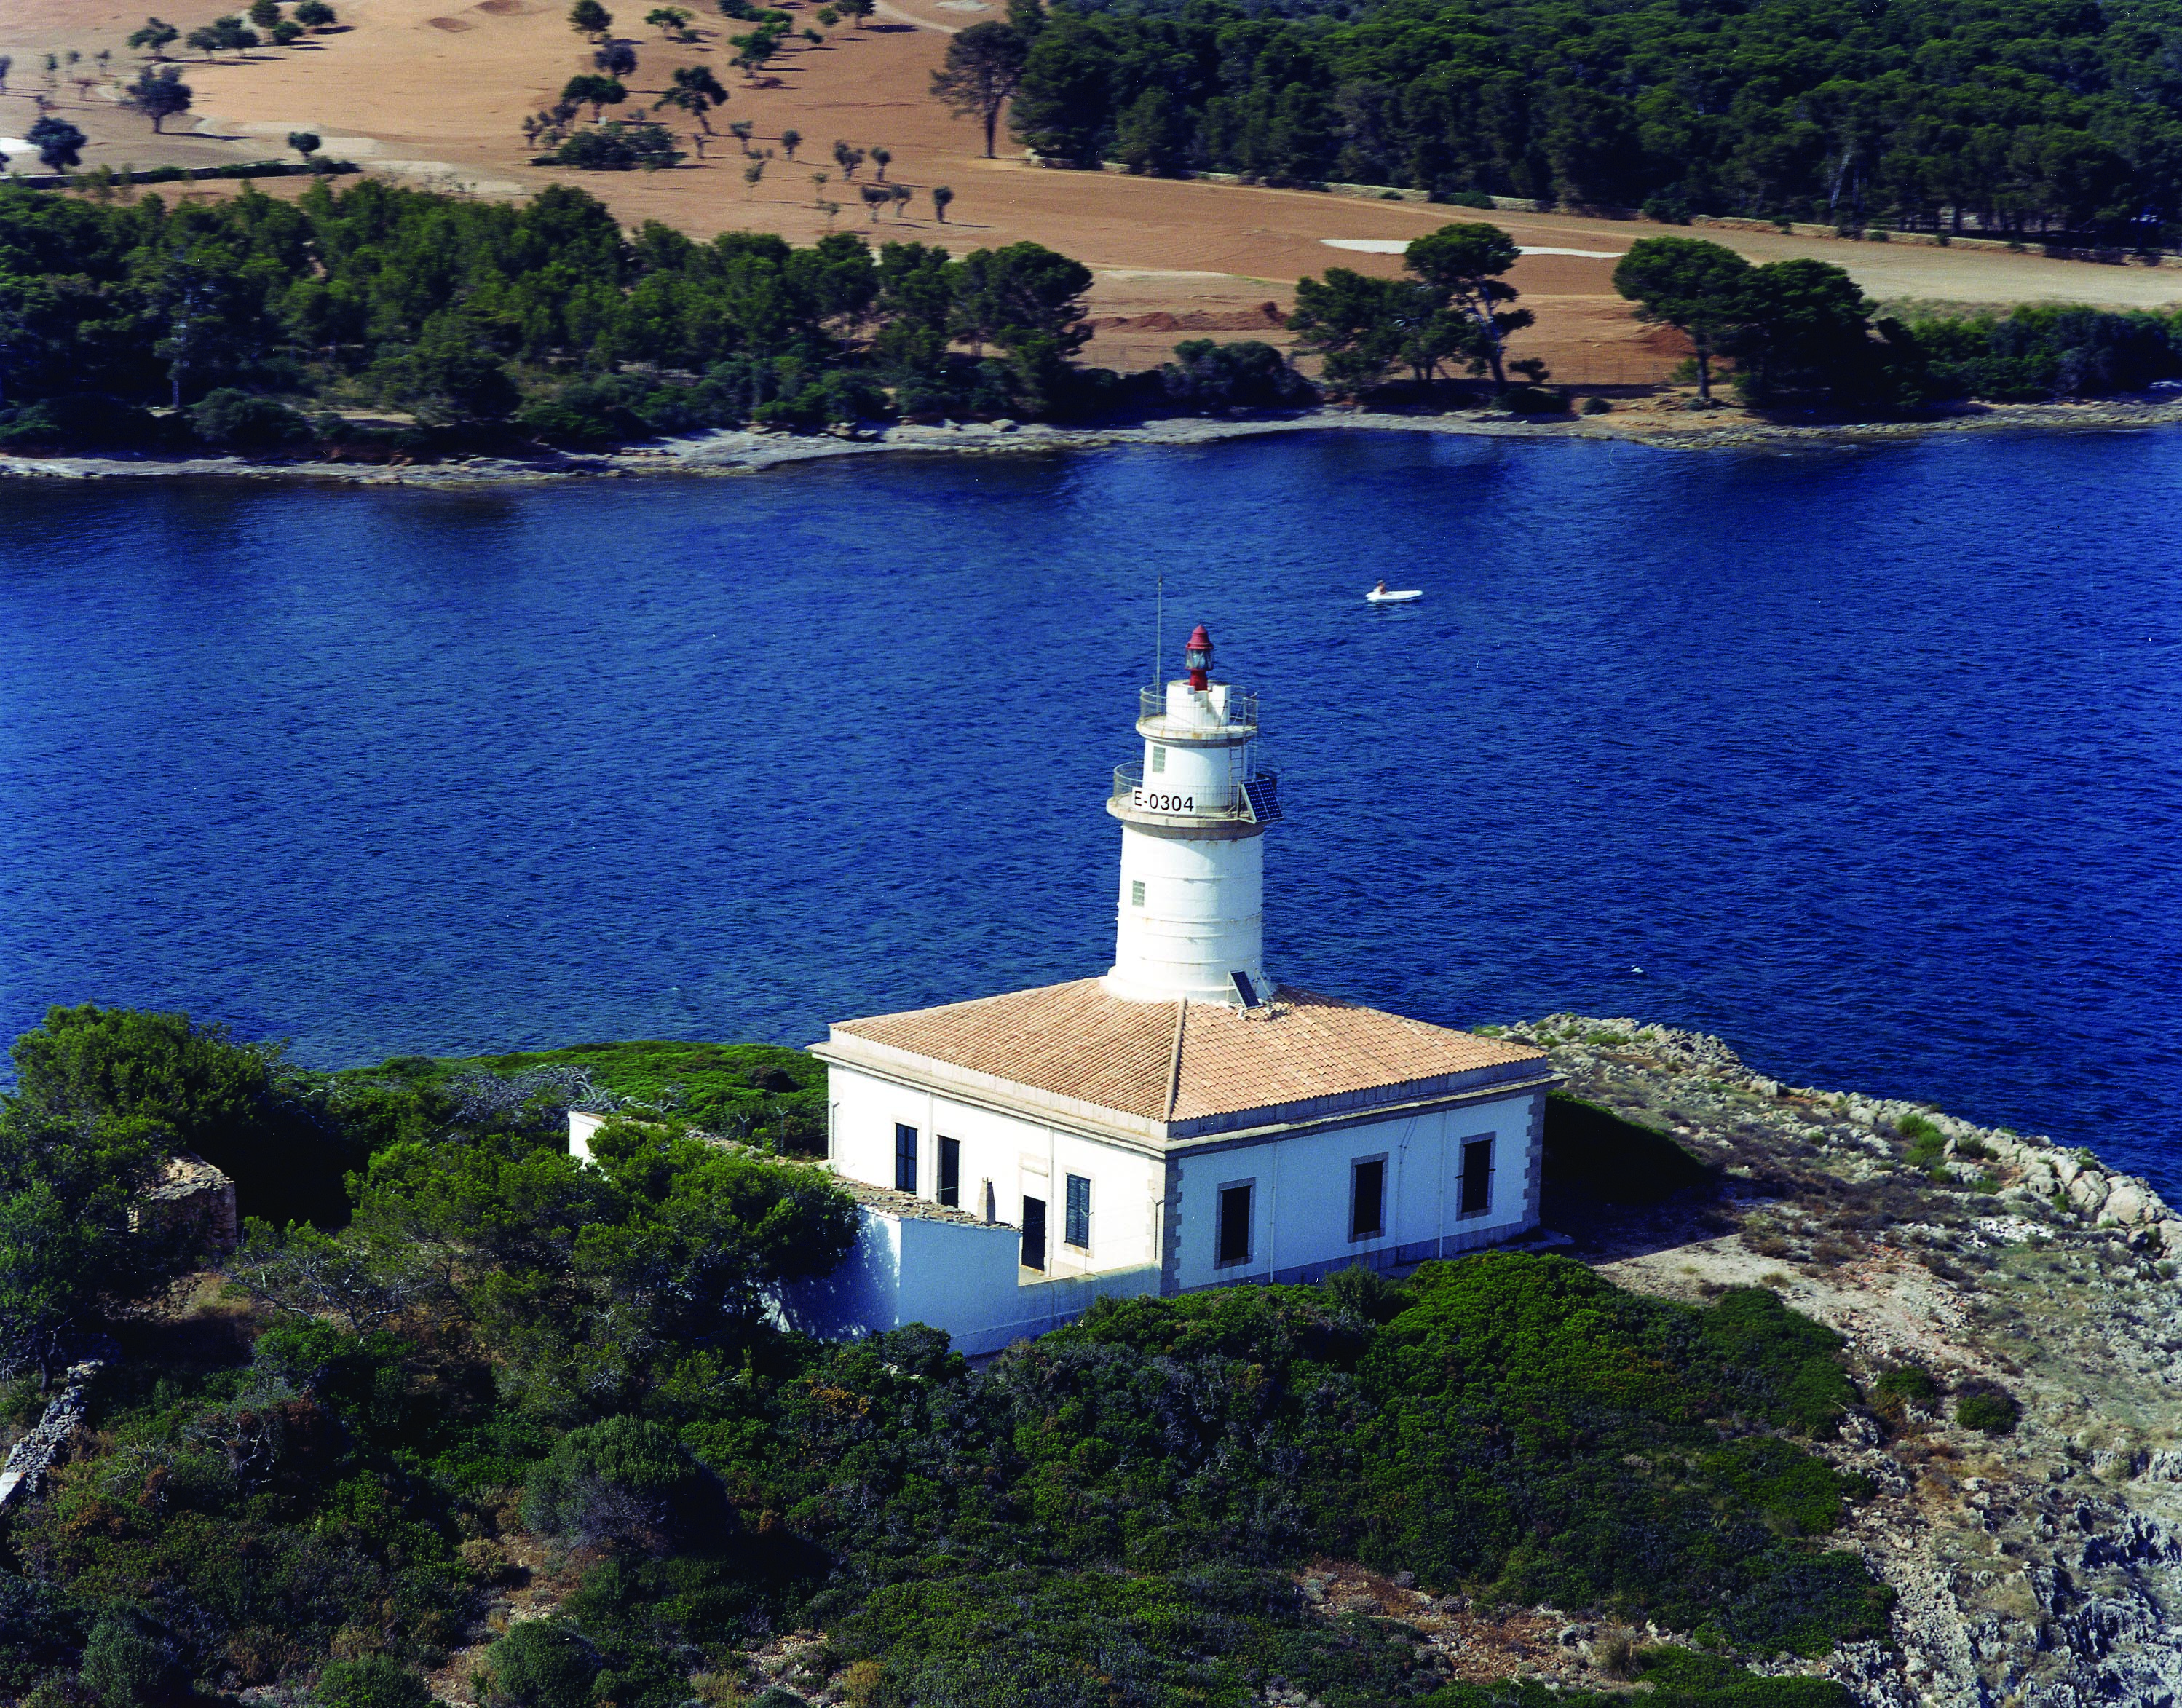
[(1193, 811), (1183, 1121)]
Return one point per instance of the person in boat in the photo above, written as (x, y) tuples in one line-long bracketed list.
[(1381, 588)]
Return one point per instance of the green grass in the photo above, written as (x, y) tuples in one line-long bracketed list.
[(742, 1090)]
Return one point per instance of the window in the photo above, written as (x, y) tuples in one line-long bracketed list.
[(1159, 759), (905, 1158), (1136, 892), (1476, 1175), (1033, 1252), (1079, 1230), (1235, 1223), (950, 1173), (1367, 1200)]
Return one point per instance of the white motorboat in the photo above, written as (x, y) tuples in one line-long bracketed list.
[(1382, 595)]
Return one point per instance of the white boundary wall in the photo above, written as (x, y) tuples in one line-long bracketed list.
[(949, 1275)]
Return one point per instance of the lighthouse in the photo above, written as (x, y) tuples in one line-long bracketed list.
[(1194, 810), (1190, 1119)]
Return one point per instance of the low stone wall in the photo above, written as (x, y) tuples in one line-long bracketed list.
[(37, 1452)]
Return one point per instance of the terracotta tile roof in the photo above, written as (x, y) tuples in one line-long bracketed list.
[(1072, 1039), (1312, 1047), (1164, 1063)]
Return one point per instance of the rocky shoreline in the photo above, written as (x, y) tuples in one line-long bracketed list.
[(727, 451), (2041, 1568)]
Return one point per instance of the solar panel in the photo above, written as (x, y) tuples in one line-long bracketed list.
[(1262, 795)]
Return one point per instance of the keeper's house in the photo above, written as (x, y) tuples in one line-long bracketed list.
[(1188, 1120)]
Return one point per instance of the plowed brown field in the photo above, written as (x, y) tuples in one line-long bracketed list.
[(436, 92)]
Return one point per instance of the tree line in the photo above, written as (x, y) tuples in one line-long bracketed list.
[(263, 324), (485, 1353), (1798, 331), (1801, 328), (1994, 115), (274, 327)]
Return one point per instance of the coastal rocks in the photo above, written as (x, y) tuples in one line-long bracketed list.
[(2033, 1569)]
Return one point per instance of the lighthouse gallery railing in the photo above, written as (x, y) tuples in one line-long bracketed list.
[(1242, 707), (1256, 800)]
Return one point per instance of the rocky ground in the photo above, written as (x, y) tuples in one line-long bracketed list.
[(1665, 423), (2041, 1568)]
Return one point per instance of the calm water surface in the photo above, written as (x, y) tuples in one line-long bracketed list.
[(1867, 760)]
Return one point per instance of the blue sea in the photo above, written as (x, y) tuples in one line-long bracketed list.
[(1866, 759)]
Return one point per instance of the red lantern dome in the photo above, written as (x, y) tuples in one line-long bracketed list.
[(1199, 657)]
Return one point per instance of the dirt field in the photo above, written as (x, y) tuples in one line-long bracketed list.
[(434, 92)]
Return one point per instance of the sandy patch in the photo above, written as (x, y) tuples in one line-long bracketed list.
[(1885, 1304), (1397, 246)]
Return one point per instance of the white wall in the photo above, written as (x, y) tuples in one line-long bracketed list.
[(949, 1275), (1020, 1158), (1300, 1196), (961, 1277), (1202, 920)]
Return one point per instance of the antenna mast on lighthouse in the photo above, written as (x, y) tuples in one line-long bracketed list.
[(1193, 811)]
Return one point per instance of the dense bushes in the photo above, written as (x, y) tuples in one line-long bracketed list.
[(373, 1682), (2043, 351), (1988, 1408), (1119, 1499), (1801, 330), (544, 1664), (2013, 117), (624, 1479), (615, 147), (1208, 377), (1113, 1514)]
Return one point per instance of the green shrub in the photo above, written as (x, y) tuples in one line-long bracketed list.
[(237, 420), (1682, 1678), (127, 1664), (1248, 375), (38, 1631), (545, 1663), (624, 1479), (86, 420), (1366, 1293), (1906, 1385), (1465, 198), (1799, 1495), (1988, 1408), (616, 147), (373, 1682), (1532, 400), (1927, 1145)]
